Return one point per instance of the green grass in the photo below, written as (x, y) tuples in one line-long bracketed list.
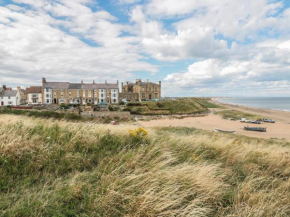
[(177, 107), (84, 169), (62, 116), (227, 114)]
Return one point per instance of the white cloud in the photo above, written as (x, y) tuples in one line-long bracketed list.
[(267, 71), (129, 1), (33, 45)]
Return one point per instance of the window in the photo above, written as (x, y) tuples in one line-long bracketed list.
[(143, 95), (156, 95), (78, 93), (47, 89), (9, 103), (90, 101), (47, 95), (143, 88), (34, 100), (61, 100), (156, 88), (47, 101), (102, 95), (8, 97), (114, 100), (34, 95), (114, 95), (102, 100)]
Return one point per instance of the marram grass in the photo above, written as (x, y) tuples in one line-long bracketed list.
[(60, 168)]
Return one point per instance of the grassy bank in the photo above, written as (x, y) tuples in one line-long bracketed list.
[(62, 168), (174, 107), (62, 116), (227, 114)]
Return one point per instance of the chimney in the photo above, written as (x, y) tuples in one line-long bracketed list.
[(19, 88), (147, 80), (122, 87), (160, 83), (93, 81), (4, 87), (82, 82), (117, 81), (43, 81), (105, 81)]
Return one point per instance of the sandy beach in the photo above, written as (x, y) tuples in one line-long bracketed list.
[(278, 130)]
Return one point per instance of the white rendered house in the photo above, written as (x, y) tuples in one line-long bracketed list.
[(11, 97)]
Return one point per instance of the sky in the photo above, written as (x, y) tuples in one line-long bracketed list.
[(195, 47)]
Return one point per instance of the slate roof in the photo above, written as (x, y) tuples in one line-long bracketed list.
[(56, 85), (88, 86), (75, 86), (33, 89), (107, 86), (10, 93)]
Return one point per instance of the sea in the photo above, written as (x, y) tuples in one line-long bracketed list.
[(276, 103)]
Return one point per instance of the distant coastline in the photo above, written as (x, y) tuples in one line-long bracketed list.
[(272, 103)]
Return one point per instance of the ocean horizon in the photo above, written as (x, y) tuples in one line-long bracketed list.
[(275, 103)]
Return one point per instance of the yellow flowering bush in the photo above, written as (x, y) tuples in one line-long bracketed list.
[(139, 135)]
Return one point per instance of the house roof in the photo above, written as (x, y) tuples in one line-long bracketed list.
[(75, 86), (23, 91), (107, 86), (56, 85), (87, 86), (33, 89), (8, 93)]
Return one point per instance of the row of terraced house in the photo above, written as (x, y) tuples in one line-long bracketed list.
[(80, 93)]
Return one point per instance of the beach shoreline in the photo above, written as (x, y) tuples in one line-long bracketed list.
[(278, 130)]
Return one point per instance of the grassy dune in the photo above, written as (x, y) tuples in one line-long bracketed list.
[(226, 114), (60, 168), (177, 107)]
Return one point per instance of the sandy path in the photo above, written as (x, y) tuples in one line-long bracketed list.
[(281, 129)]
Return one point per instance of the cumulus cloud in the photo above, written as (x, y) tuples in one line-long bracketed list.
[(56, 39), (219, 76)]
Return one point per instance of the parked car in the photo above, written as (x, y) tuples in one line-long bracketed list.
[(245, 120), (268, 120)]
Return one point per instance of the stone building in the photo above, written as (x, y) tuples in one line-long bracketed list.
[(141, 90), (79, 93), (23, 95)]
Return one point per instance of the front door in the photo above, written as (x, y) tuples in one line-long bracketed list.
[(2, 103), (150, 97), (54, 100)]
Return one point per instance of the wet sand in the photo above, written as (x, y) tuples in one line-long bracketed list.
[(278, 130)]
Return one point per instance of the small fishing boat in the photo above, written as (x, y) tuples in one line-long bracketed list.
[(259, 129), (224, 131), (256, 122)]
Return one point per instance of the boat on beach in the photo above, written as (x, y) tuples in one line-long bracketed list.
[(224, 131), (258, 129)]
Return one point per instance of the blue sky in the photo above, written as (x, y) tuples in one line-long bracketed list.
[(195, 47)]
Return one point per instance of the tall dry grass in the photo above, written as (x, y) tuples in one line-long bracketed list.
[(59, 168)]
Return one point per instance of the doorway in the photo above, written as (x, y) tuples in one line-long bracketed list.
[(150, 96), (54, 101)]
